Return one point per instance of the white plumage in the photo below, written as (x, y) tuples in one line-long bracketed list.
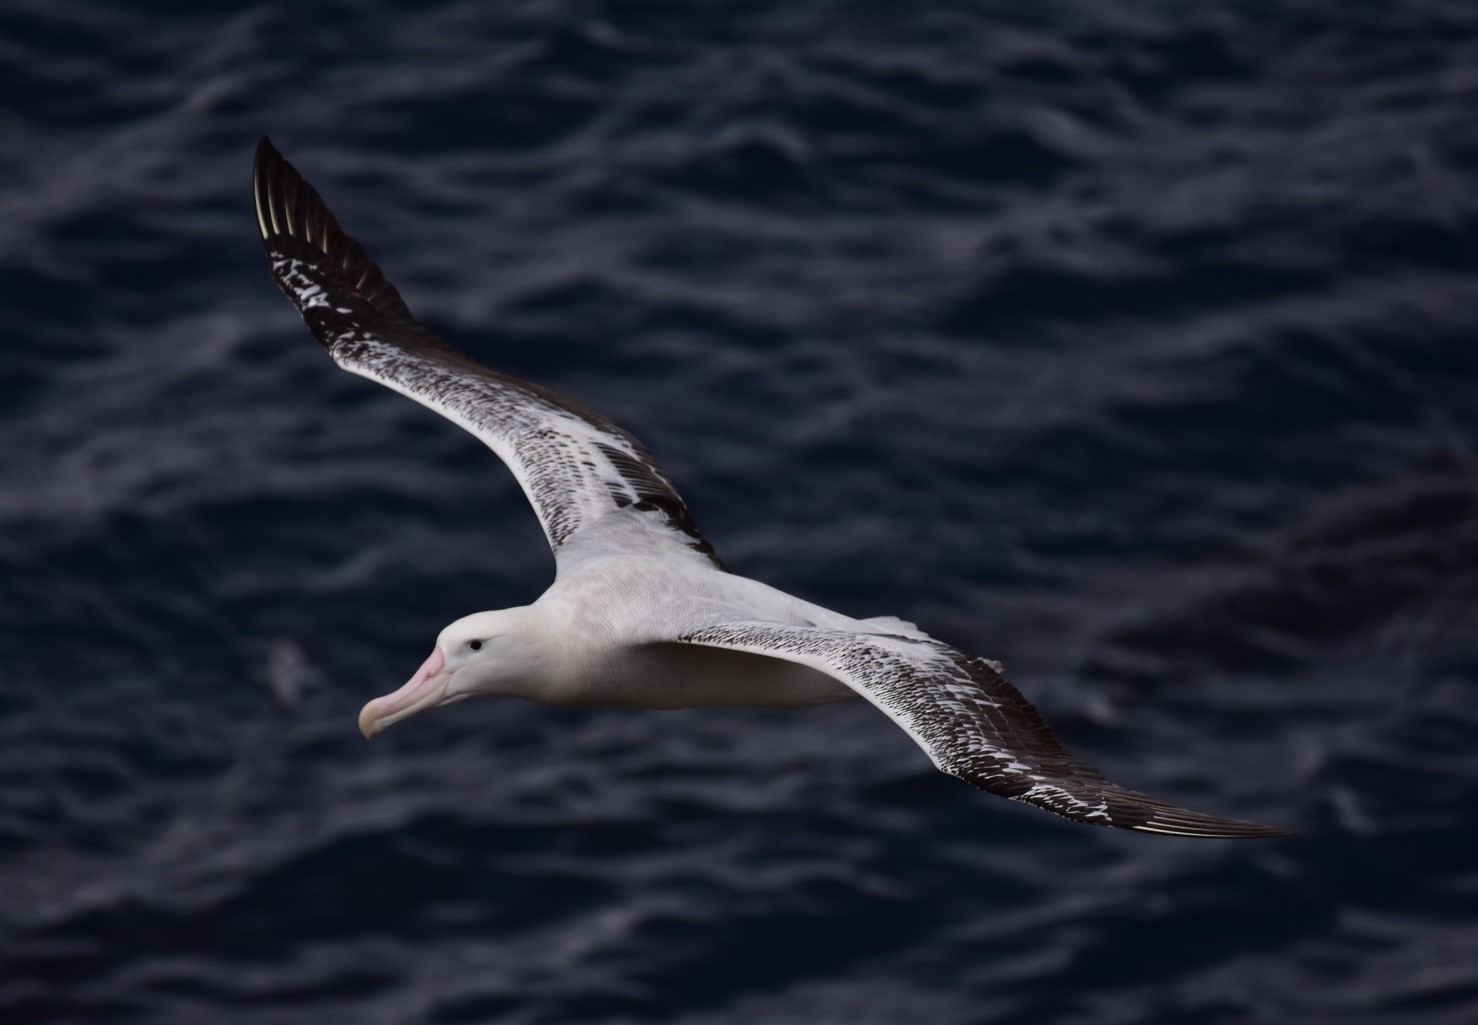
[(642, 612)]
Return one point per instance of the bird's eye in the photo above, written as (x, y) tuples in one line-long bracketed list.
[(475, 645)]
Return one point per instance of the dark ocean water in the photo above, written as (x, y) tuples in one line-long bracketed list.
[(1130, 343)]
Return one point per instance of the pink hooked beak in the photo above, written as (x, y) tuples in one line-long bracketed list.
[(422, 691)]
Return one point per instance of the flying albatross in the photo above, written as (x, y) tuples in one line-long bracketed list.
[(642, 613)]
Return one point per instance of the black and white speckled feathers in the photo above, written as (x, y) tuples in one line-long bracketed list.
[(972, 723), (576, 467)]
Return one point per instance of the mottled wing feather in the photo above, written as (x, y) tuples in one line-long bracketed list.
[(575, 466), (972, 723)]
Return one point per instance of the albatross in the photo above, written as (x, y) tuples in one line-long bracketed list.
[(642, 612)]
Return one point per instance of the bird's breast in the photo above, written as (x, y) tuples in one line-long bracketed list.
[(672, 675)]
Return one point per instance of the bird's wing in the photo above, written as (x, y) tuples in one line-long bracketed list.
[(970, 721), (575, 466)]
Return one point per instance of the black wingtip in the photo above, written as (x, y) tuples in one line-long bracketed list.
[(1145, 814), (1215, 829), (266, 152), (294, 221), (1094, 801), (288, 206)]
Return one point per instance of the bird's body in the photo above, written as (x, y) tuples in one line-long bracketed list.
[(614, 618), (642, 612)]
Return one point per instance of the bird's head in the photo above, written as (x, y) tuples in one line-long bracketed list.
[(485, 653)]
